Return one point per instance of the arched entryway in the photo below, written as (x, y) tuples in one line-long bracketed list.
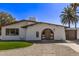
[(47, 34)]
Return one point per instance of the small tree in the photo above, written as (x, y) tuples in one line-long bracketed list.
[(5, 18)]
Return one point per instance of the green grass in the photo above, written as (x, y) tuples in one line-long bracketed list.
[(5, 45)]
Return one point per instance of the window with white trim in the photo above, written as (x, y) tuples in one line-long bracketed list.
[(37, 34), (0, 31), (12, 31)]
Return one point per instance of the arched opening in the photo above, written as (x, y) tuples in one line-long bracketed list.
[(47, 34)]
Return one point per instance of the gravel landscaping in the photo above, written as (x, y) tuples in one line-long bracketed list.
[(39, 49)]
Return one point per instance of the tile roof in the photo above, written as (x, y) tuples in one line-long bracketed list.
[(31, 24), (41, 23), (18, 22)]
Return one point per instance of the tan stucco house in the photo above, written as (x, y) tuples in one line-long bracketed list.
[(32, 30)]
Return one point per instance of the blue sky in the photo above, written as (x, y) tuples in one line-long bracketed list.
[(44, 12)]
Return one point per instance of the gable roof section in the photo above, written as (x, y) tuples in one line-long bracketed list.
[(41, 23), (18, 22), (25, 26)]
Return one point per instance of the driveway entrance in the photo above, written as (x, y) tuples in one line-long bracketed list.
[(44, 49)]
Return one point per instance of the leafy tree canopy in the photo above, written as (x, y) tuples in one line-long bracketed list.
[(6, 18)]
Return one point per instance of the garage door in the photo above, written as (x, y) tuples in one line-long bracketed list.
[(71, 34)]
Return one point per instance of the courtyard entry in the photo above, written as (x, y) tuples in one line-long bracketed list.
[(47, 34), (71, 34)]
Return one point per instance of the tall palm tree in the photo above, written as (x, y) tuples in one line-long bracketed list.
[(68, 15), (74, 7)]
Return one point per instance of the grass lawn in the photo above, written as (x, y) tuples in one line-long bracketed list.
[(5, 45)]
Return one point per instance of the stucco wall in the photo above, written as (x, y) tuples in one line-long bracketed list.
[(78, 34), (21, 35), (59, 32), (29, 33)]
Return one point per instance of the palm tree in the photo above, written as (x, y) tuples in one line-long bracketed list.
[(68, 15), (74, 7)]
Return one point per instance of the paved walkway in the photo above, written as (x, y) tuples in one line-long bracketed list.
[(44, 49), (74, 46)]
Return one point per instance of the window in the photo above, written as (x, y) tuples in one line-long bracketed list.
[(0, 31), (12, 32), (37, 34)]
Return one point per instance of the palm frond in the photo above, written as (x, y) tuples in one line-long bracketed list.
[(69, 15)]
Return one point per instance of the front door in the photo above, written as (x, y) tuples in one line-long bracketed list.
[(47, 34)]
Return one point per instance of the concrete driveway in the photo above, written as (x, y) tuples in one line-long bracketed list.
[(44, 49)]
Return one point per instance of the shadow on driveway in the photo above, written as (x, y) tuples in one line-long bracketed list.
[(73, 41), (48, 41), (55, 41)]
